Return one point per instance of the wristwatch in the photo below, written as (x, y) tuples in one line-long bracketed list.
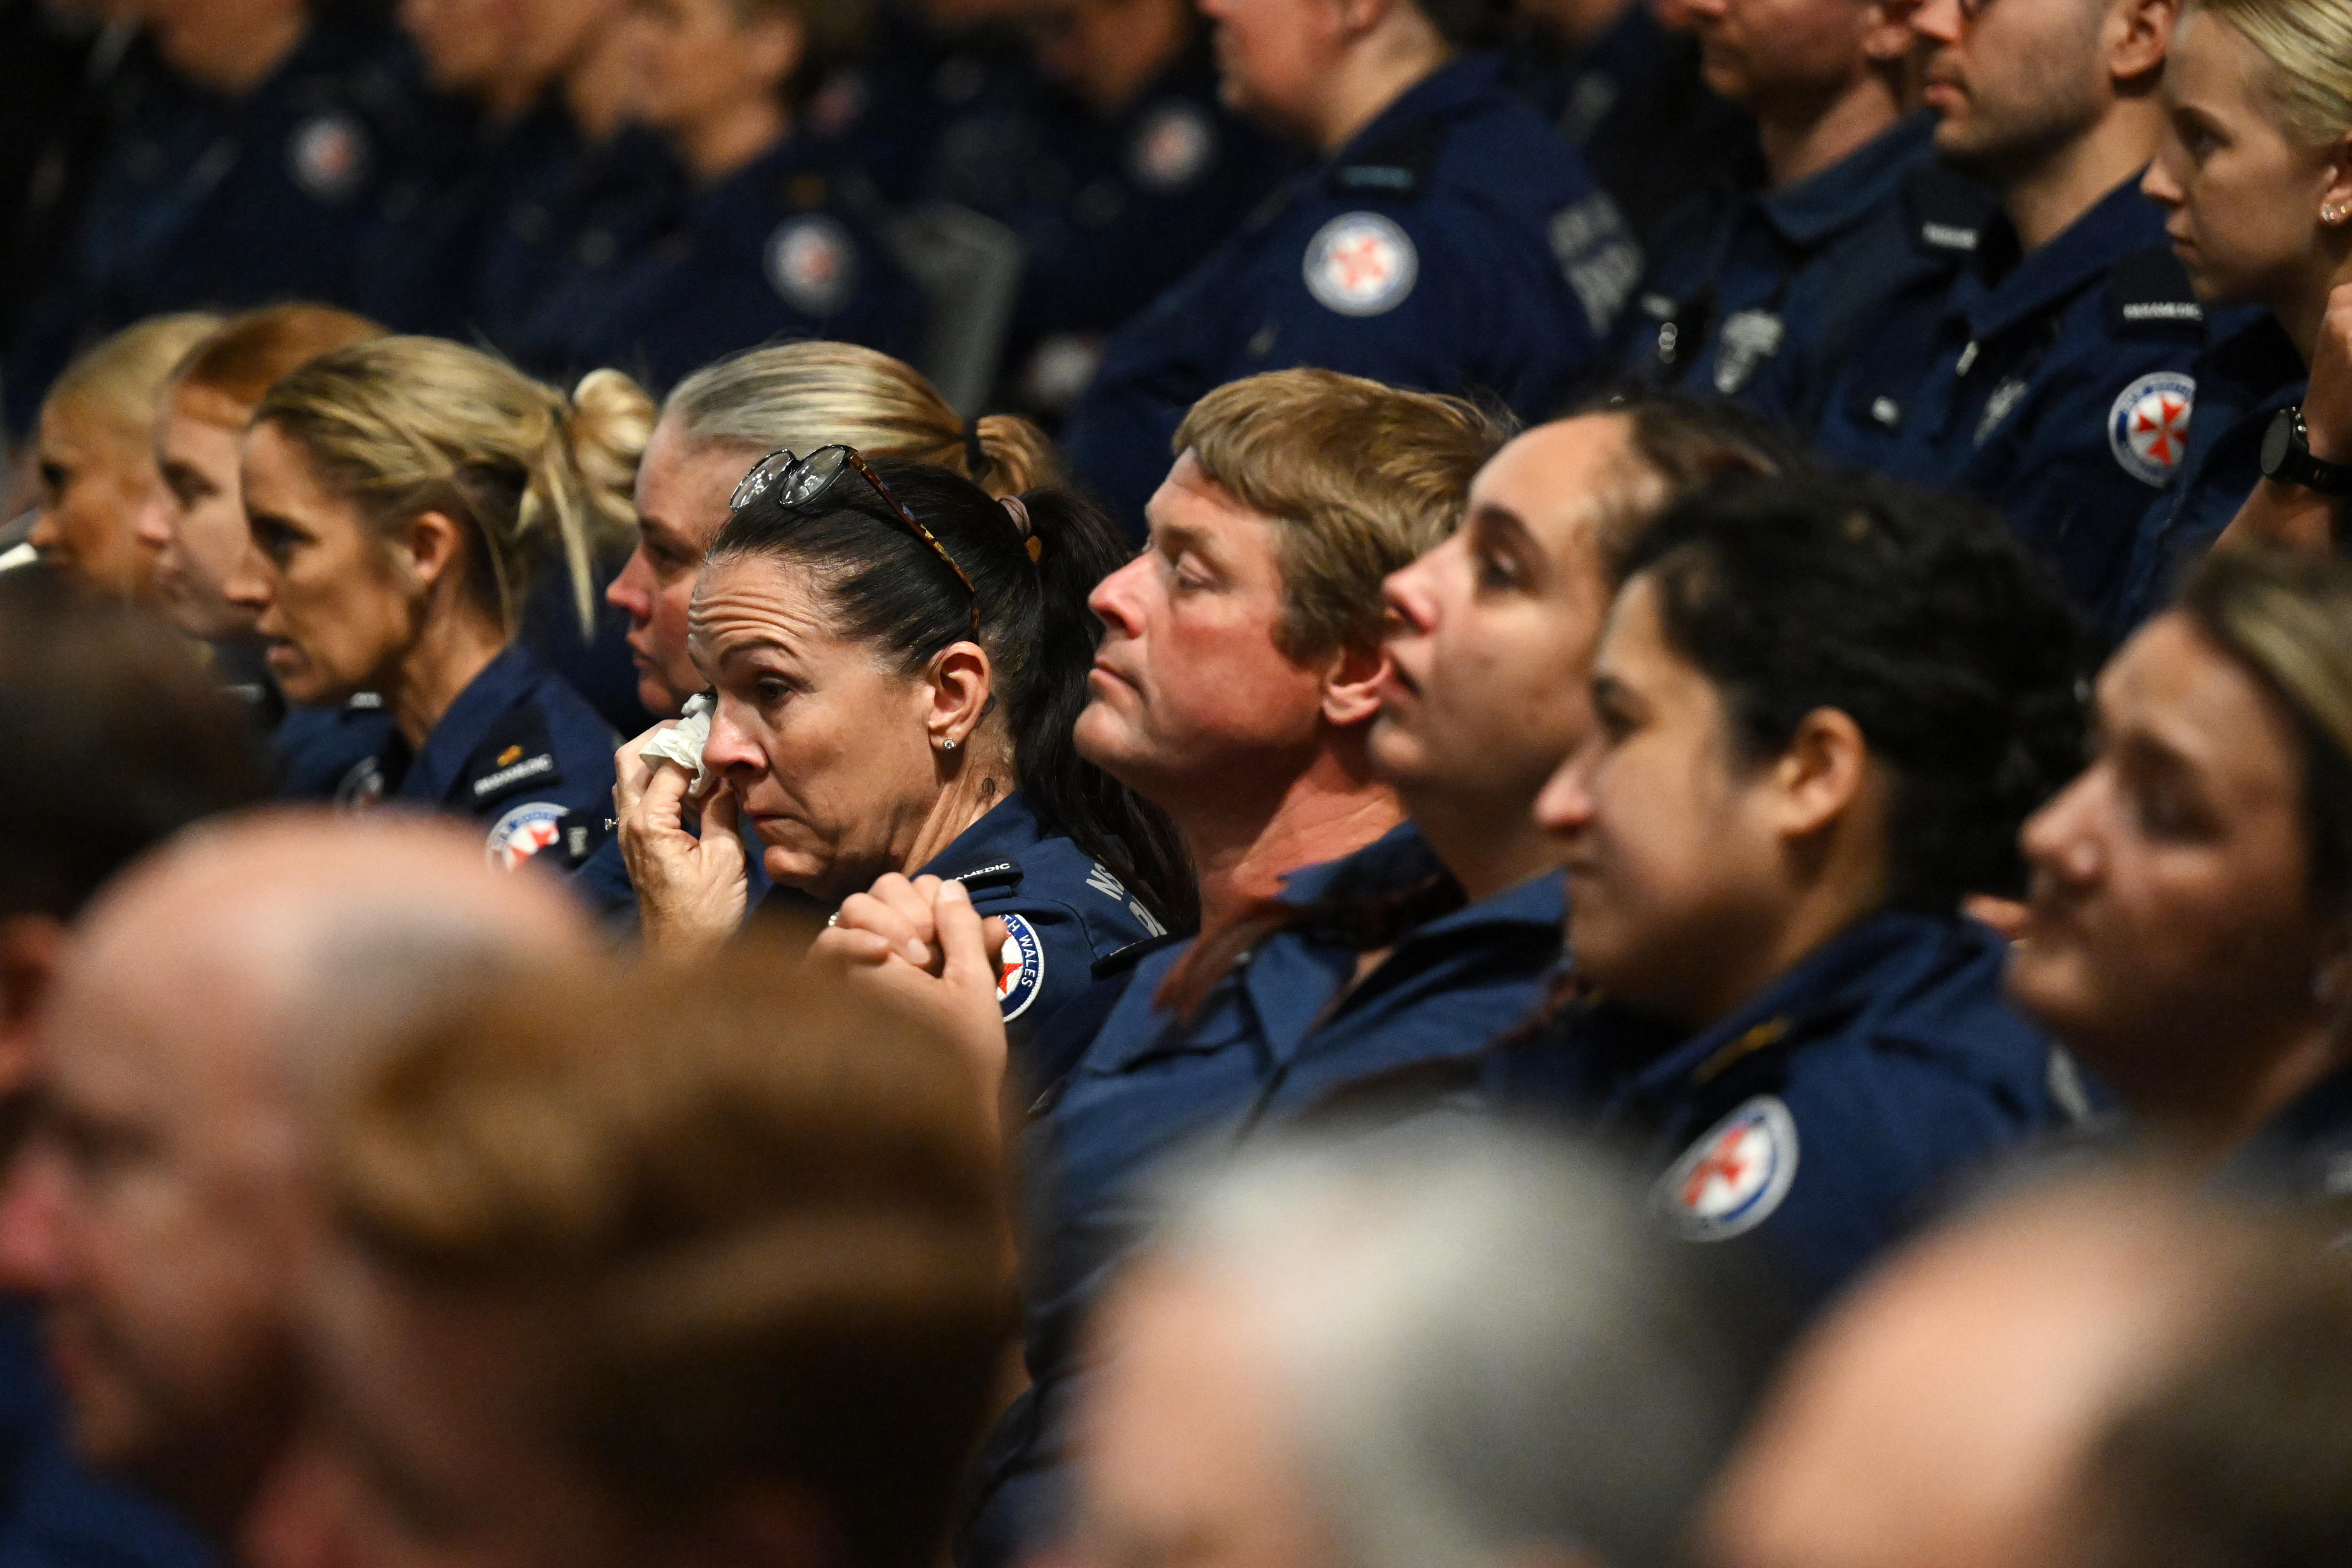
[(2286, 457)]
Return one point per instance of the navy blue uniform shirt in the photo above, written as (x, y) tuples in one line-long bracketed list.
[(1271, 1039), (519, 750), (205, 201), (889, 114), (1762, 295), (1455, 243), (2057, 386), (1634, 103), (562, 238), (772, 252), (1110, 210), (1817, 1119), (2249, 373)]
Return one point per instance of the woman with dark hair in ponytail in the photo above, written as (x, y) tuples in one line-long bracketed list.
[(897, 662)]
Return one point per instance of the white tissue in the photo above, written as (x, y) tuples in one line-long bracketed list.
[(682, 743)]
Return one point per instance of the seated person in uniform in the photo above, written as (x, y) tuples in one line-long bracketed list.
[(2189, 931), (718, 423), (1115, 166), (195, 526), (1448, 240), (2051, 378), (765, 248), (896, 658), (116, 738), (1822, 711), (2255, 169), (742, 1301), (1438, 935), (95, 452), (206, 1008), (1762, 293), (1503, 1300), (400, 492)]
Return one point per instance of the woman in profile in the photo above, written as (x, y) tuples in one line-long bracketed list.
[(400, 492)]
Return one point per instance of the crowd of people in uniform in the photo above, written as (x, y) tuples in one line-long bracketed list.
[(1404, 786)]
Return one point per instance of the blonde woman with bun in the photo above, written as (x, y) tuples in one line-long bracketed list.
[(96, 457), (400, 494), (720, 421)]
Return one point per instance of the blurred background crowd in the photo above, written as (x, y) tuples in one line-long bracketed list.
[(1406, 785)]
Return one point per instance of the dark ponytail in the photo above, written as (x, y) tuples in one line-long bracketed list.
[(1033, 569)]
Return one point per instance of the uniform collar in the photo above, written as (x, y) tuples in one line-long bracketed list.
[(1853, 187), (2251, 351), (1445, 93), (1865, 967), (2120, 222), (1004, 832), (461, 731)]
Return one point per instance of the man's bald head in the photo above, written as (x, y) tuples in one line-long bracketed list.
[(1938, 1419), (211, 1000)]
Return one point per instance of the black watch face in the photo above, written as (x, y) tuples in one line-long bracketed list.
[(2276, 440)]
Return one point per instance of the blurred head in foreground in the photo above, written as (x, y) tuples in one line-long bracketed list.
[(1943, 1415), (1427, 1355), (632, 1267), (207, 1002)]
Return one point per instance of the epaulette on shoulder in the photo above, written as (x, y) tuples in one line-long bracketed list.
[(2148, 291), (1397, 164), (1949, 211)]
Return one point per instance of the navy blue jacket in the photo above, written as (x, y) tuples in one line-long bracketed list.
[(519, 750), (893, 113), (2249, 373), (1762, 295), (1634, 103), (771, 253), (1110, 211), (1817, 1119), (1457, 242), (1272, 1039), (201, 202), (2056, 386)]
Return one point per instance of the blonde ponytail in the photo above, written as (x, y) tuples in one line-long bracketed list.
[(2308, 43), (812, 395), (403, 426)]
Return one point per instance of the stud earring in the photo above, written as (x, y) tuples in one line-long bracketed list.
[(946, 744), (2332, 213)]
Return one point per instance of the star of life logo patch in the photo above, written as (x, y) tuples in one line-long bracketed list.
[(812, 264), (523, 832), (1735, 1177), (327, 156), (1360, 264), (1020, 967), (1171, 149), (2147, 428)]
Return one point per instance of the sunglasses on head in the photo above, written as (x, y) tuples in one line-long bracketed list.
[(800, 483)]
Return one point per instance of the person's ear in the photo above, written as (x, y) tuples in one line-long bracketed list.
[(29, 946), (1358, 17), (958, 686), (1820, 773), (1351, 685), (435, 546), (2138, 34), (1886, 37), (2335, 195), (774, 45)]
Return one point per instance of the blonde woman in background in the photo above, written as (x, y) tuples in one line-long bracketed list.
[(723, 419), (2256, 170), (400, 492), (193, 524), (96, 457)]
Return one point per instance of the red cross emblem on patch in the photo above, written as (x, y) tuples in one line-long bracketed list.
[(1360, 264), (2147, 428)]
